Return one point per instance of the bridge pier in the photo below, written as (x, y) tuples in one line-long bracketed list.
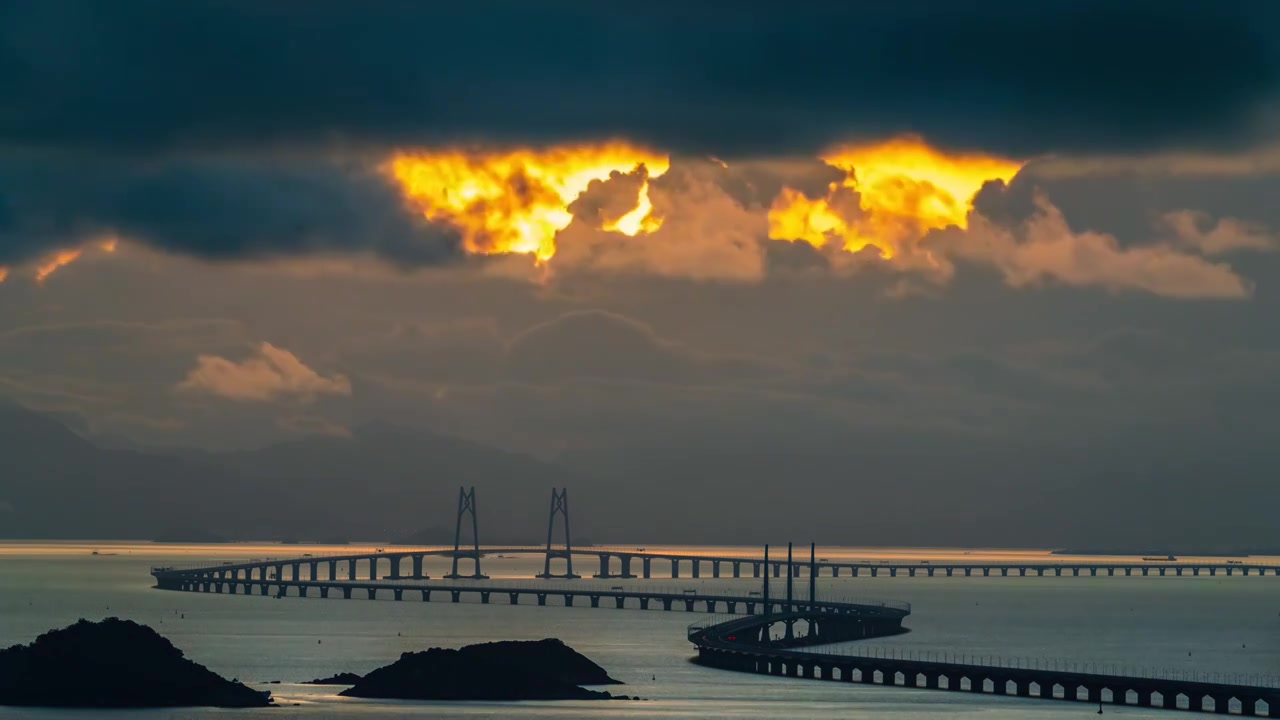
[(324, 592), (395, 566), (666, 604), (568, 600), (695, 567), (484, 597), (542, 598), (675, 568), (737, 569), (755, 570), (645, 563), (513, 598), (351, 569), (373, 568), (263, 589), (644, 603), (333, 570), (455, 596), (426, 596), (346, 593), (620, 602), (397, 593), (373, 593), (715, 568)]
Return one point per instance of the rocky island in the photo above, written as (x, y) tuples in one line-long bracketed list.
[(113, 664), (533, 670)]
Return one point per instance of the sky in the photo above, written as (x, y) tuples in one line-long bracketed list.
[(991, 233)]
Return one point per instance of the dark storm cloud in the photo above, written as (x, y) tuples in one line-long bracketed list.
[(216, 208), (1020, 76)]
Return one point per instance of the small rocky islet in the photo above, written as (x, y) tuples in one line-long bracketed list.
[(512, 670), (113, 664), (118, 663)]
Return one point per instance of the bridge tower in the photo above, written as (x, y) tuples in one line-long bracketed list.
[(467, 505), (790, 624), (813, 571), (559, 504)]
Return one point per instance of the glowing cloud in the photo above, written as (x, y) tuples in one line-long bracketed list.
[(892, 194), (58, 259), (515, 201), (273, 373), (4, 273)]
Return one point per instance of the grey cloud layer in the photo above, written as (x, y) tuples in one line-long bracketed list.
[(1022, 77), (228, 207)]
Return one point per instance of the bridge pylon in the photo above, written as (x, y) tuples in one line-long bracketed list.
[(467, 505), (559, 505)]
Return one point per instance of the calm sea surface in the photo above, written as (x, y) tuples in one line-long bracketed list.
[(1216, 624)]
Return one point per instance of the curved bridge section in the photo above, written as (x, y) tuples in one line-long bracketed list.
[(750, 645)]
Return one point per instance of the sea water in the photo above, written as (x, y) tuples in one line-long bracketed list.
[(1217, 624)]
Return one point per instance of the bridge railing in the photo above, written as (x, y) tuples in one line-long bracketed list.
[(1051, 664)]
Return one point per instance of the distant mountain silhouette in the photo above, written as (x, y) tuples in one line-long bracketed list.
[(382, 483)]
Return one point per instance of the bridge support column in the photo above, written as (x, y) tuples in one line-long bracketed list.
[(666, 604), (455, 596), (751, 608), (835, 571), (262, 589), (626, 566), (732, 605), (398, 594), (715, 568), (644, 603), (645, 565), (755, 570), (542, 598), (675, 568), (417, 566), (373, 593), (324, 592), (737, 569), (695, 567), (351, 569), (513, 598), (620, 602), (604, 566), (333, 570), (373, 568), (395, 566), (346, 593)]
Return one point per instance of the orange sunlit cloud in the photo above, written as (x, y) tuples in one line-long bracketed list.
[(515, 201), (58, 259), (4, 273), (61, 258), (903, 188)]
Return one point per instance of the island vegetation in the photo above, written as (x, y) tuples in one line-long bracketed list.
[(113, 664), (531, 670)]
